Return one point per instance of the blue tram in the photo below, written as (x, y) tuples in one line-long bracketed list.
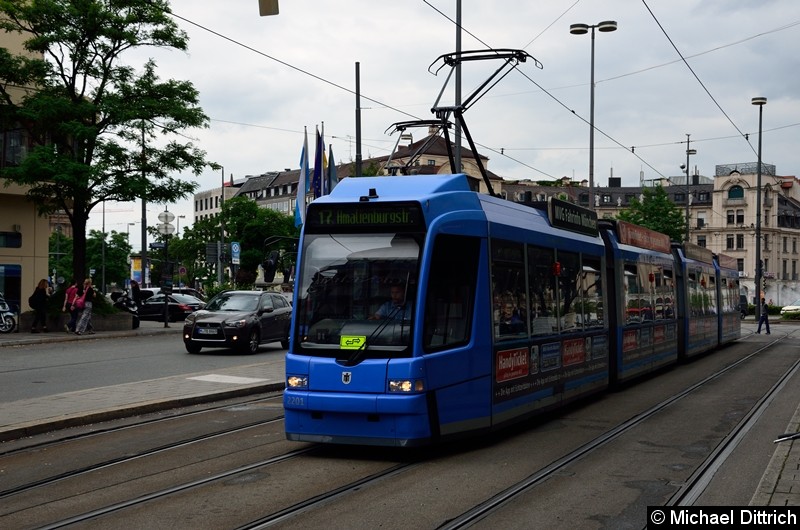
[(730, 322), (425, 310), (644, 330), (698, 301)]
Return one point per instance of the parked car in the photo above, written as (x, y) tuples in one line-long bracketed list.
[(179, 306), (239, 319), (794, 307)]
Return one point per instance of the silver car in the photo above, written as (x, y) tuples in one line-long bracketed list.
[(242, 320), (794, 307)]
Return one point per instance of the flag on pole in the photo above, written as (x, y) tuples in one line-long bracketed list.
[(324, 189), (302, 184), (319, 154), (332, 178)]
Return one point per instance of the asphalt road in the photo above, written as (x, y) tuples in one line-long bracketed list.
[(39, 370)]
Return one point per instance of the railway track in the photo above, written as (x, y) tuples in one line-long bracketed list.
[(247, 476)]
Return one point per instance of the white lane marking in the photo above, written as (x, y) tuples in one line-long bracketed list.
[(216, 378)]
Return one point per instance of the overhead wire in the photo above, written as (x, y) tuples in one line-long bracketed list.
[(503, 151)]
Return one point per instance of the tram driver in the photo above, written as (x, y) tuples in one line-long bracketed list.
[(397, 307)]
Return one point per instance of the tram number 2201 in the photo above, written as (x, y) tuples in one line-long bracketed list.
[(296, 401)]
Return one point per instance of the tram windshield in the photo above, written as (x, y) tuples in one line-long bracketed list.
[(355, 295)]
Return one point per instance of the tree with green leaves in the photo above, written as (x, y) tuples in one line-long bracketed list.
[(251, 226), (656, 212), (99, 130), (114, 257)]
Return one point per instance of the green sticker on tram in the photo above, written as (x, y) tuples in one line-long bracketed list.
[(352, 342)]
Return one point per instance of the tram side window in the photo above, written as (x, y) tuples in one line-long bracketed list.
[(635, 294), (702, 293), (451, 292), (510, 306), (591, 288), (543, 297), (570, 301), (712, 307), (695, 294), (665, 294)]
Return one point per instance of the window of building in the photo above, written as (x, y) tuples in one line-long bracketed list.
[(701, 241), (431, 162), (729, 242), (583, 198), (730, 217), (736, 192), (740, 241), (785, 244), (794, 246), (10, 239), (703, 196), (680, 197), (606, 199), (740, 264), (739, 217)]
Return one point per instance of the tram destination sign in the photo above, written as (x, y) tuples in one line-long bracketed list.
[(572, 217), (389, 216)]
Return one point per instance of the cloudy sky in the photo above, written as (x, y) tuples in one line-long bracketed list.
[(672, 68)]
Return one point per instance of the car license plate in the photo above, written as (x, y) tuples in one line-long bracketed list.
[(206, 331)]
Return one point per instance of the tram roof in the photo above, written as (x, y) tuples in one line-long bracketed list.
[(397, 188)]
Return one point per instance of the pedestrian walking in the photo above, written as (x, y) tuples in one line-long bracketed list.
[(136, 296), (69, 302), (764, 318), (38, 302), (85, 321)]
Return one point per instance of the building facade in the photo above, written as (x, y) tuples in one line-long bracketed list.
[(24, 235), (721, 210)]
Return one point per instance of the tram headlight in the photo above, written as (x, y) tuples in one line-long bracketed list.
[(297, 381), (406, 385)]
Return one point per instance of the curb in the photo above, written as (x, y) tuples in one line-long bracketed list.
[(83, 419), (22, 339)]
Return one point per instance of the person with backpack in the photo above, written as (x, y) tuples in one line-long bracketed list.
[(764, 318), (38, 302)]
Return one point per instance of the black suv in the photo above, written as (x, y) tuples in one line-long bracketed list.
[(239, 319)]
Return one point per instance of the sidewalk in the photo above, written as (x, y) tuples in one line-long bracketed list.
[(146, 327)]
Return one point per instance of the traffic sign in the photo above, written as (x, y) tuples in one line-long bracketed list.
[(156, 245), (236, 250)]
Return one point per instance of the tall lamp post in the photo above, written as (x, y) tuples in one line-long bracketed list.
[(606, 26), (760, 102), (688, 194), (178, 232)]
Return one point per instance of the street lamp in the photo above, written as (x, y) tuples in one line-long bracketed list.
[(606, 26), (129, 231), (760, 102), (267, 7), (688, 194)]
